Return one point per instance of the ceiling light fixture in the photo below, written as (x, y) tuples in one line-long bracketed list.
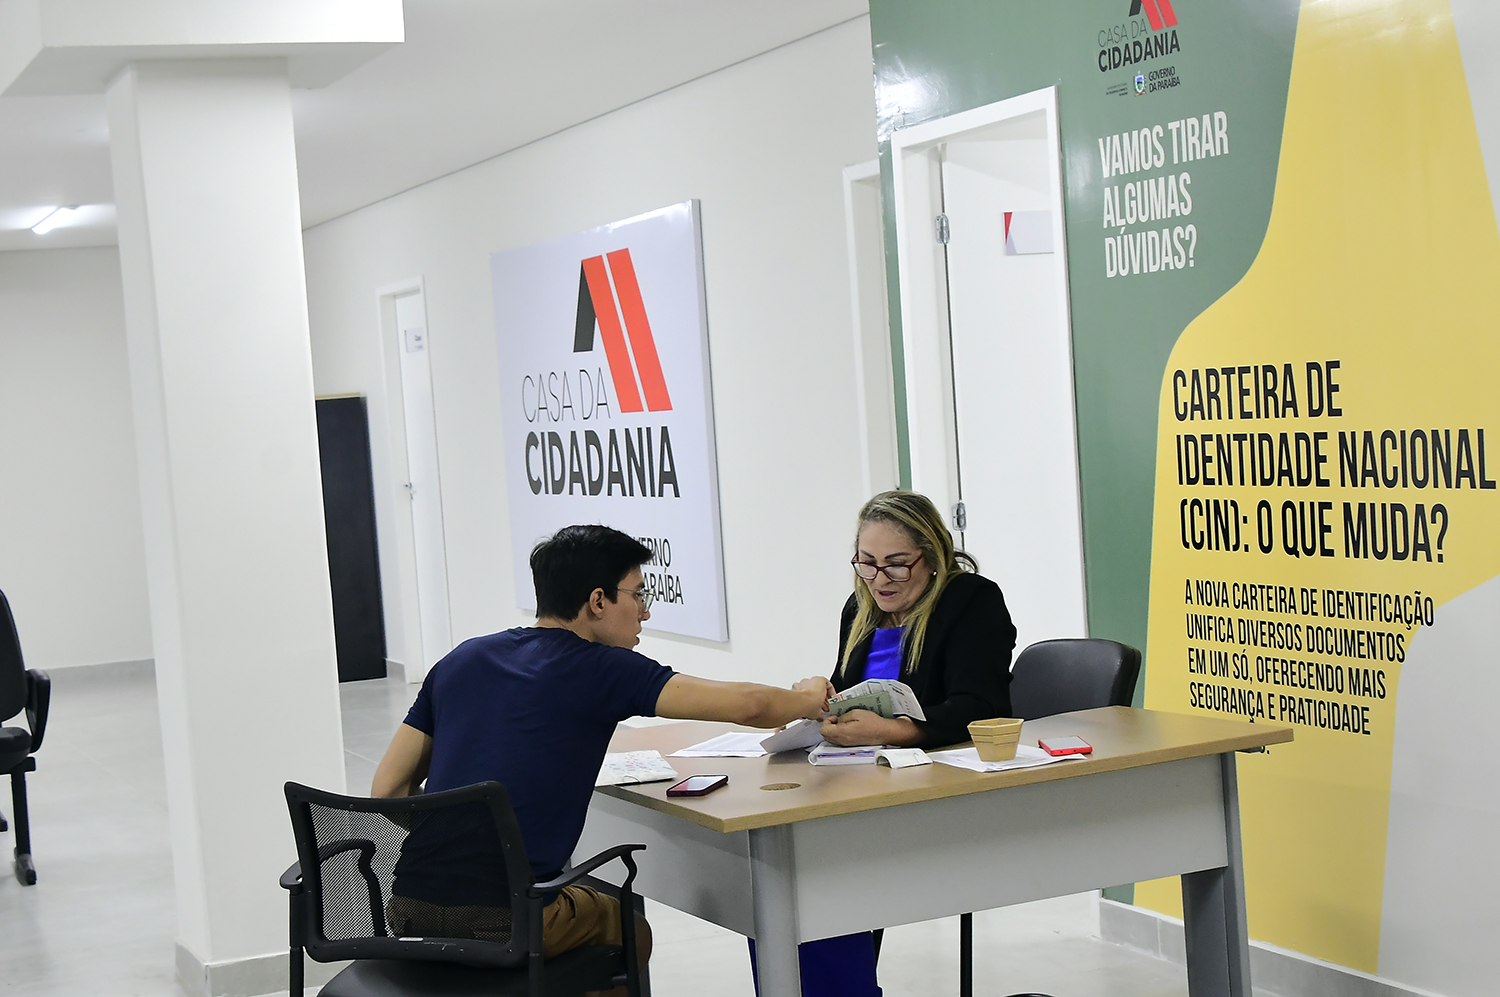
[(54, 218)]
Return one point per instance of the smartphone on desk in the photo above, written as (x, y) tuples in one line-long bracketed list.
[(1064, 745), (698, 785)]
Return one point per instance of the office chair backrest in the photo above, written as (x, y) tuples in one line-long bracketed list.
[(1061, 676), (353, 852), (13, 686)]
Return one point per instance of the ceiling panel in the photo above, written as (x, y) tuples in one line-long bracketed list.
[(474, 79)]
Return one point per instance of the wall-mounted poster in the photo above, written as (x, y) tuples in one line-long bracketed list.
[(1285, 404), (604, 374)]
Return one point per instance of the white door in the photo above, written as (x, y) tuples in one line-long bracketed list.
[(989, 325), (422, 485)]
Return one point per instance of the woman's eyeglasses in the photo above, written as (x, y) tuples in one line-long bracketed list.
[(895, 572)]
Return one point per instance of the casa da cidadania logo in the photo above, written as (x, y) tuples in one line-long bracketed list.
[(1158, 12), (597, 300), (628, 461), (1149, 32)]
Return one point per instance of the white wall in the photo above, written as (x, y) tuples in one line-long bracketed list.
[(1435, 895), (762, 144), (72, 558)]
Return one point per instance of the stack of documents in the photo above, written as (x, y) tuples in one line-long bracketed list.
[(627, 768), (1026, 757), (868, 754)]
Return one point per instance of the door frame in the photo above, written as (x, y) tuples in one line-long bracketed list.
[(874, 380), (922, 270), (399, 559)]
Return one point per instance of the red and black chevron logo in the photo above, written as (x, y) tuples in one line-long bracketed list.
[(1158, 12), (608, 291)]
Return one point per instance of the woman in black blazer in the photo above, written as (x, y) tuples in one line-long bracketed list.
[(920, 613)]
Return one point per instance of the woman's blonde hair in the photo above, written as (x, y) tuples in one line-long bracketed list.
[(916, 517)]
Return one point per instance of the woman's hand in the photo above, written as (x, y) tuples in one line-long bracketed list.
[(861, 727)]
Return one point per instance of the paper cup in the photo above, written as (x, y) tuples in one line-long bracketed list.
[(996, 739), (995, 751)]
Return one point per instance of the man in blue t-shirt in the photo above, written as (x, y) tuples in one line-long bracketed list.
[(534, 708)]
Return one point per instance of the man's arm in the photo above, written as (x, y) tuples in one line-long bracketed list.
[(404, 766), (687, 698)]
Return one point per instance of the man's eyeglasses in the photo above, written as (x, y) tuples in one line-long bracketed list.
[(642, 595), (895, 572)]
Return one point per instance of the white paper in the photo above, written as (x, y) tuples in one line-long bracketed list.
[(1026, 757), (902, 758), (626, 768), (802, 734), (903, 700), (1028, 232), (735, 744)]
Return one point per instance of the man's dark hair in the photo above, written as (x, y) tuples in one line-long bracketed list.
[(570, 564)]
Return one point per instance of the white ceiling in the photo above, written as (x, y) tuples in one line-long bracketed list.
[(474, 79)]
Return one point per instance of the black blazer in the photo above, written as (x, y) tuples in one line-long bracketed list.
[(964, 674)]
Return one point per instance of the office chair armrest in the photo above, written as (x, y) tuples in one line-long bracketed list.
[(366, 851), (573, 875), (38, 699), (534, 893), (291, 881), (292, 878)]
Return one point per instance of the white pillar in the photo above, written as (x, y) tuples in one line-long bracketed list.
[(221, 372)]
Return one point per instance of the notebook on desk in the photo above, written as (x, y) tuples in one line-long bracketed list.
[(833, 754)]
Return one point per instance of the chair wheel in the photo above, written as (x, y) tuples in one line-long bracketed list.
[(25, 870)]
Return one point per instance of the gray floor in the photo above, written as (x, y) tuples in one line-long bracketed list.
[(101, 921)]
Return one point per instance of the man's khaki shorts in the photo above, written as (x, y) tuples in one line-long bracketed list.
[(579, 916)]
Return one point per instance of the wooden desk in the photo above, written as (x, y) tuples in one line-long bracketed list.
[(788, 851)]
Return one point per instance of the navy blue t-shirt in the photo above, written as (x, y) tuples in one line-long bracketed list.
[(532, 708)]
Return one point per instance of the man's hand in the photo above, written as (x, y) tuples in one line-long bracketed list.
[(861, 727), (822, 687)]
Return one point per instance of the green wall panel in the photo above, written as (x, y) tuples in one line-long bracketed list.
[(938, 57)]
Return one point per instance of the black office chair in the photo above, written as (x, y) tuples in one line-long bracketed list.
[(20, 690), (347, 850), (1063, 676), (1051, 677)]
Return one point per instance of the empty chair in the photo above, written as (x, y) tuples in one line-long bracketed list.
[(1063, 676), (20, 690), (354, 858)]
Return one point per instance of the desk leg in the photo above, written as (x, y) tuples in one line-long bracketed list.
[(1213, 905), (773, 881)]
